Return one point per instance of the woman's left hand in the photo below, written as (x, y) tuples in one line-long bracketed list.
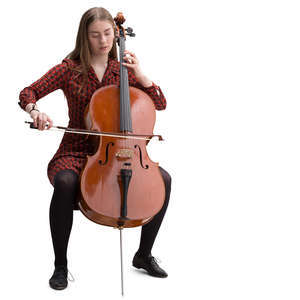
[(132, 63)]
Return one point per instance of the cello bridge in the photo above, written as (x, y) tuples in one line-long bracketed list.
[(124, 153)]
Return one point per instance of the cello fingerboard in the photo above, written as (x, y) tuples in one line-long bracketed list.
[(125, 113)]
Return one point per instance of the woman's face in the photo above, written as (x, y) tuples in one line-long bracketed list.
[(101, 37)]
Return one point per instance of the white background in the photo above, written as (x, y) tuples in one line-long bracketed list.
[(230, 73)]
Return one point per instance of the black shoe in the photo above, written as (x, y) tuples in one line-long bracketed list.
[(59, 279), (149, 264)]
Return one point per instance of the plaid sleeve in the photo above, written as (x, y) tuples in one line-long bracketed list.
[(54, 79), (153, 91)]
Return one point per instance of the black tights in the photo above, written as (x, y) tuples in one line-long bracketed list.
[(66, 186)]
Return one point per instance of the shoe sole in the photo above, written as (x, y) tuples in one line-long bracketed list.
[(140, 267), (58, 288)]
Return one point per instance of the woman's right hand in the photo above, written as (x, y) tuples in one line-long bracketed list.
[(40, 120)]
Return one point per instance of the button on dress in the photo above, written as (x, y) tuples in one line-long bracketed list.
[(74, 148)]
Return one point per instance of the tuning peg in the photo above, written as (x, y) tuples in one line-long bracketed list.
[(130, 31)]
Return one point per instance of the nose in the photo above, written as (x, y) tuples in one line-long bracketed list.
[(102, 39)]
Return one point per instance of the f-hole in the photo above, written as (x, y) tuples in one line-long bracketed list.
[(141, 160), (106, 154)]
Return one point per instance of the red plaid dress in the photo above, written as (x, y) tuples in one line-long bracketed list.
[(73, 148)]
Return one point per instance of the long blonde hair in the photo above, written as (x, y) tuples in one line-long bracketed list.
[(82, 52)]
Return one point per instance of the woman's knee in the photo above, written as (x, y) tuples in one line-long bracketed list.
[(66, 179), (166, 177)]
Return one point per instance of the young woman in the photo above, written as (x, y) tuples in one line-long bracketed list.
[(90, 66)]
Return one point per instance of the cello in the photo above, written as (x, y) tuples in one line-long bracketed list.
[(120, 186)]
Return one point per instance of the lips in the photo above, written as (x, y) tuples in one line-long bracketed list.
[(103, 48)]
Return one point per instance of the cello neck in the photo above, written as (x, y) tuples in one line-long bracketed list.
[(125, 113)]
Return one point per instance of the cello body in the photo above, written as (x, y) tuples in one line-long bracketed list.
[(103, 187)]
